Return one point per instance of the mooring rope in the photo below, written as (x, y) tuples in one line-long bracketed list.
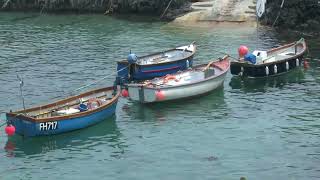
[(95, 82), (165, 9), (224, 53), (3, 124), (278, 13), (5, 4), (314, 59)]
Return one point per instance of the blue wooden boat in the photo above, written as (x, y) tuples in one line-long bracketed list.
[(155, 65), (69, 114)]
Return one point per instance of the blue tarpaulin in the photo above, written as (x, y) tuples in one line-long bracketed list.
[(250, 57)]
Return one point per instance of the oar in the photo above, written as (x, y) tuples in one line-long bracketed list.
[(211, 62)]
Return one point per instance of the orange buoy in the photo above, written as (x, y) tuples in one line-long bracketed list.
[(170, 77)]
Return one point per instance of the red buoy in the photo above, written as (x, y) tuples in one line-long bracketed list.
[(306, 64), (124, 93), (10, 130), (243, 50), (160, 95)]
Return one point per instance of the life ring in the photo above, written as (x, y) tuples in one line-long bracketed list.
[(170, 77), (93, 103)]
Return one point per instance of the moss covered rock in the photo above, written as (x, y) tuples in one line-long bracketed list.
[(295, 14)]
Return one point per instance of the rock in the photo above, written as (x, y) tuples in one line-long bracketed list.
[(150, 7), (303, 26), (295, 14), (313, 24)]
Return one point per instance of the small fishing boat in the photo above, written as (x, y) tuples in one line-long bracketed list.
[(155, 65), (69, 114), (195, 81), (272, 62)]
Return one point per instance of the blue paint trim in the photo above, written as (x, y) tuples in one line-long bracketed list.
[(150, 72)]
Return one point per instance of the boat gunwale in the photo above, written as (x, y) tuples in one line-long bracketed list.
[(19, 114), (245, 64), (187, 84), (163, 63)]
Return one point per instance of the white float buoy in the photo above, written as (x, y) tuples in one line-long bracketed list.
[(297, 62), (275, 69), (241, 71), (267, 71), (260, 7), (287, 66)]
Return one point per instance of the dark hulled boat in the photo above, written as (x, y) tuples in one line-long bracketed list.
[(272, 62)]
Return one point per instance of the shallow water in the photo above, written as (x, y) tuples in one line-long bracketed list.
[(259, 129)]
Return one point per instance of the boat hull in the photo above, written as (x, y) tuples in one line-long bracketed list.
[(276, 68), (142, 72), (155, 65), (272, 62), (28, 128), (149, 72)]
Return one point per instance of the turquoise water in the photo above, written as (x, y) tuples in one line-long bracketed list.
[(259, 129)]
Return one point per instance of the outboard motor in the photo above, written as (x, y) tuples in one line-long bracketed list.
[(124, 69)]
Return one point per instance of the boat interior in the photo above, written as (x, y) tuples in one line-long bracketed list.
[(189, 76), (70, 106), (278, 55), (168, 56)]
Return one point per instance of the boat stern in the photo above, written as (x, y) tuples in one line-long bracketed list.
[(141, 94), (122, 73)]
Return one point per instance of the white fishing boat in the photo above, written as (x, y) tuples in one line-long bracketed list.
[(195, 81)]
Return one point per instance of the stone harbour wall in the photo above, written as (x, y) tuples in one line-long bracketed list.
[(154, 7), (295, 14)]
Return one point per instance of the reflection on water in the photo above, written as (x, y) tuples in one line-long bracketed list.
[(188, 107), (246, 84), (258, 128), (104, 133)]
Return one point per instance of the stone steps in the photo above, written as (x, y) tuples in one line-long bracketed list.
[(250, 12), (203, 5), (201, 8), (223, 11), (252, 7)]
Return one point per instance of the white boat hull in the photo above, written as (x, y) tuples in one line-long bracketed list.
[(149, 95)]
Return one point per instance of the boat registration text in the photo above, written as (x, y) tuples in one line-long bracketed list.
[(46, 126)]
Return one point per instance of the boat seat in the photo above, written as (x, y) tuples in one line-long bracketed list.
[(271, 59), (68, 111), (287, 54), (209, 72)]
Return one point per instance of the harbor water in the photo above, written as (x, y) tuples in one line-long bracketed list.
[(266, 128)]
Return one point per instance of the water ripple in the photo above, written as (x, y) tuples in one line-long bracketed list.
[(261, 129)]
